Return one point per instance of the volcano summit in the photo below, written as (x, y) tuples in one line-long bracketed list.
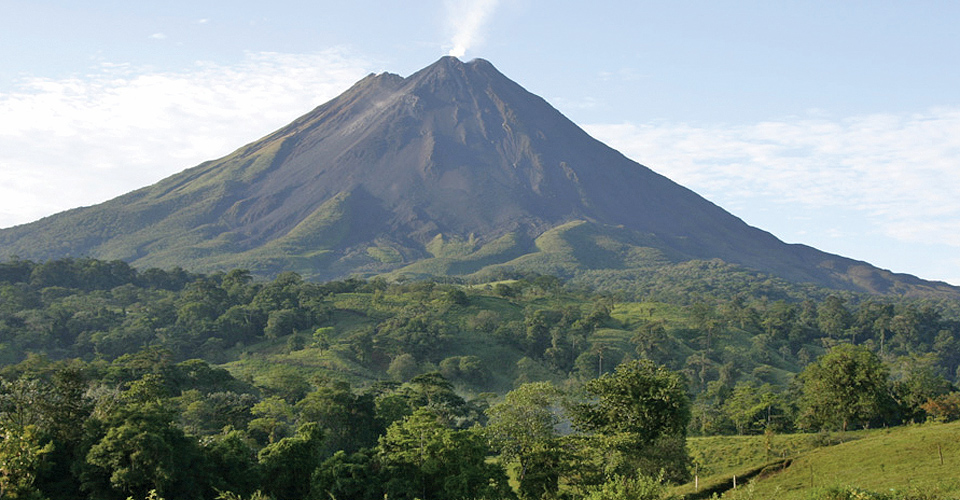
[(453, 170)]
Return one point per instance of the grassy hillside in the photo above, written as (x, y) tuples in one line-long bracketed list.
[(902, 459)]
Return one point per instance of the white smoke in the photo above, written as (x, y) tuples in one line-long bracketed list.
[(466, 20)]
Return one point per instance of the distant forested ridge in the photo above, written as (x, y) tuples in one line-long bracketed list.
[(118, 382)]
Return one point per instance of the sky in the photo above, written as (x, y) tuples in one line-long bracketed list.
[(832, 124)]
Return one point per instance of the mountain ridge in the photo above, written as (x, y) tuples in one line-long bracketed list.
[(364, 183)]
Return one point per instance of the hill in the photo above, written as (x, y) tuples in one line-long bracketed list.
[(912, 459), (454, 170)]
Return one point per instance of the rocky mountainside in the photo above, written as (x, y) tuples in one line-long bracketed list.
[(455, 169)]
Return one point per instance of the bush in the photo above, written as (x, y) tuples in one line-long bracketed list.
[(403, 368), (624, 488), (943, 408)]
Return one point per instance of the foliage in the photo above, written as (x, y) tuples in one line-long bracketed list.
[(348, 420), (424, 459), (20, 455), (186, 385), (343, 475), (638, 416), (943, 408), (523, 428), (627, 488), (847, 386), (639, 398), (231, 462), (286, 466), (139, 451)]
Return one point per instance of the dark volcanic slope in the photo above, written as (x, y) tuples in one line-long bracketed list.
[(369, 179)]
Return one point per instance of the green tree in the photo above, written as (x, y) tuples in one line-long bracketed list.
[(707, 410), (403, 367), (64, 408), (273, 418), (433, 391), (348, 420), (538, 324), (847, 386), (523, 428), (288, 464), (231, 463), (203, 414), (638, 416), (627, 488), (321, 337), (282, 322), (141, 450), (914, 382), (751, 408), (354, 476), (281, 293), (833, 318), (20, 456), (638, 397), (424, 459)]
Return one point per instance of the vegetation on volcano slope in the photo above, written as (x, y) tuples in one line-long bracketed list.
[(223, 373)]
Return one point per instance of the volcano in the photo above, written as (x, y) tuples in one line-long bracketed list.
[(453, 170)]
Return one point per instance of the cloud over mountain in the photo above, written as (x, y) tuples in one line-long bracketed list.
[(80, 140)]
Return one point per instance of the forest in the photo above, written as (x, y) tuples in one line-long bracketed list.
[(120, 383)]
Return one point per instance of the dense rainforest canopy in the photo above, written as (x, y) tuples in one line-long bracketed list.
[(118, 382)]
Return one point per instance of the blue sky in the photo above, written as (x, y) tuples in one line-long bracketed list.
[(834, 124)]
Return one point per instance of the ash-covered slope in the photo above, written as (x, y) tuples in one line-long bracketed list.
[(453, 164)]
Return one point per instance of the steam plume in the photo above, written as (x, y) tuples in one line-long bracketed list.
[(466, 19)]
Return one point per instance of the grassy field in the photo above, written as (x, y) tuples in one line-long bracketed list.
[(919, 459)]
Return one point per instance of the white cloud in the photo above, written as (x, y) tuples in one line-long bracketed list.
[(81, 140), (899, 171), (158, 36), (466, 19), (587, 102)]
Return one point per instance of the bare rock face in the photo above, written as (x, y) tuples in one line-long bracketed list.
[(455, 162)]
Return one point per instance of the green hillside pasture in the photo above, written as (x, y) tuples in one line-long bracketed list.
[(922, 459), (719, 458)]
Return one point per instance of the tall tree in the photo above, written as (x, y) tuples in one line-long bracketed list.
[(141, 450), (20, 456), (833, 317), (288, 464), (348, 420), (523, 428), (640, 414), (847, 386), (750, 408), (425, 459)]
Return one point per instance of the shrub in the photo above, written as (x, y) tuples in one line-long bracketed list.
[(943, 408), (624, 488)]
